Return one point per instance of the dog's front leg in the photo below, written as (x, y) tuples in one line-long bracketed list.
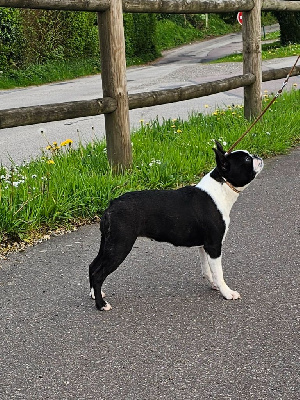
[(217, 275), (206, 272)]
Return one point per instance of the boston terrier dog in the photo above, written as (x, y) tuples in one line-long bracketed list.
[(189, 216)]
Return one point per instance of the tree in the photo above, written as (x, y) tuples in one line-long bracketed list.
[(289, 26)]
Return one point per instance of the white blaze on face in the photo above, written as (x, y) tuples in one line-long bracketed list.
[(258, 165)]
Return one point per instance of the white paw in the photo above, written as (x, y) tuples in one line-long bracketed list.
[(92, 294), (231, 295), (107, 307)]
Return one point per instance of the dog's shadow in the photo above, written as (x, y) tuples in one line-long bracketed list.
[(156, 270)]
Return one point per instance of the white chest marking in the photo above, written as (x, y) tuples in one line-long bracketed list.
[(222, 195)]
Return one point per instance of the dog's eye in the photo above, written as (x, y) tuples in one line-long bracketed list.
[(248, 159)]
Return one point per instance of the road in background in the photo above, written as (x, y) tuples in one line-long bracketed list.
[(178, 67)]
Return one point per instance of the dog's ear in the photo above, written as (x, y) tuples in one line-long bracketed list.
[(221, 160), (220, 147)]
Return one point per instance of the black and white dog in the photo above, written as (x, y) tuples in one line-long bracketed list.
[(189, 216)]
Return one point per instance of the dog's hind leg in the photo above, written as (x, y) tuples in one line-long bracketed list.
[(111, 254), (93, 266)]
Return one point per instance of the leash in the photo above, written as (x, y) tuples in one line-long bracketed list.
[(266, 109)]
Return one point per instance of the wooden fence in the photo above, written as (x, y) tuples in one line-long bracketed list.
[(116, 102)]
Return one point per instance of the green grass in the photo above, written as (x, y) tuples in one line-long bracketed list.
[(269, 51), (50, 71), (272, 36), (66, 185), (169, 34)]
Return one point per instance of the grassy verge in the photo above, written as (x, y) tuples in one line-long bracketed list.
[(67, 185), (50, 71), (169, 34), (269, 50)]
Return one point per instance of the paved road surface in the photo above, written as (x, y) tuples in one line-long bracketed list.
[(179, 67), (168, 336)]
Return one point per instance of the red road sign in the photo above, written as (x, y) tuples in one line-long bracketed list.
[(240, 17)]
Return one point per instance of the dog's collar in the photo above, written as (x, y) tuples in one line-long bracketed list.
[(231, 186), (215, 174)]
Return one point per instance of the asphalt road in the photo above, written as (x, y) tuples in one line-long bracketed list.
[(183, 66), (168, 335)]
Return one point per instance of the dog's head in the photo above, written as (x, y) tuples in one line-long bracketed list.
[(239, 167)]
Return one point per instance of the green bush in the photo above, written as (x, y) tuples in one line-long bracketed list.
[(140, 37), (9, 37), (289, 27), (54, 35)]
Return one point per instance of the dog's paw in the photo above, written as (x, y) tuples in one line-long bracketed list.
[(208, 278), (231, 295), (107, 307), (92, 294)]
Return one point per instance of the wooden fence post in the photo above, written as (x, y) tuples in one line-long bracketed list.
[(252, 60), (113, 72)]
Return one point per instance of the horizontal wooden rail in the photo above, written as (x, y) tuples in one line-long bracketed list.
[(279, 73), (55, 112), (155, 6), (70, 5), (279, 5), (154, 98), (13, 117), (147, 6), (186, 7)]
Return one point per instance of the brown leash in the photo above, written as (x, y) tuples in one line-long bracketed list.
[(266, 109)]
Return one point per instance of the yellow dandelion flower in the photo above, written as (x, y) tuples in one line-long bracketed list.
[(50, 162), (173, 126), (206, 106), (179, 131), (49, 147), (295, 84), (66, 142)]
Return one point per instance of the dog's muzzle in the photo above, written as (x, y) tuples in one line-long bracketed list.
[(258, 164)]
